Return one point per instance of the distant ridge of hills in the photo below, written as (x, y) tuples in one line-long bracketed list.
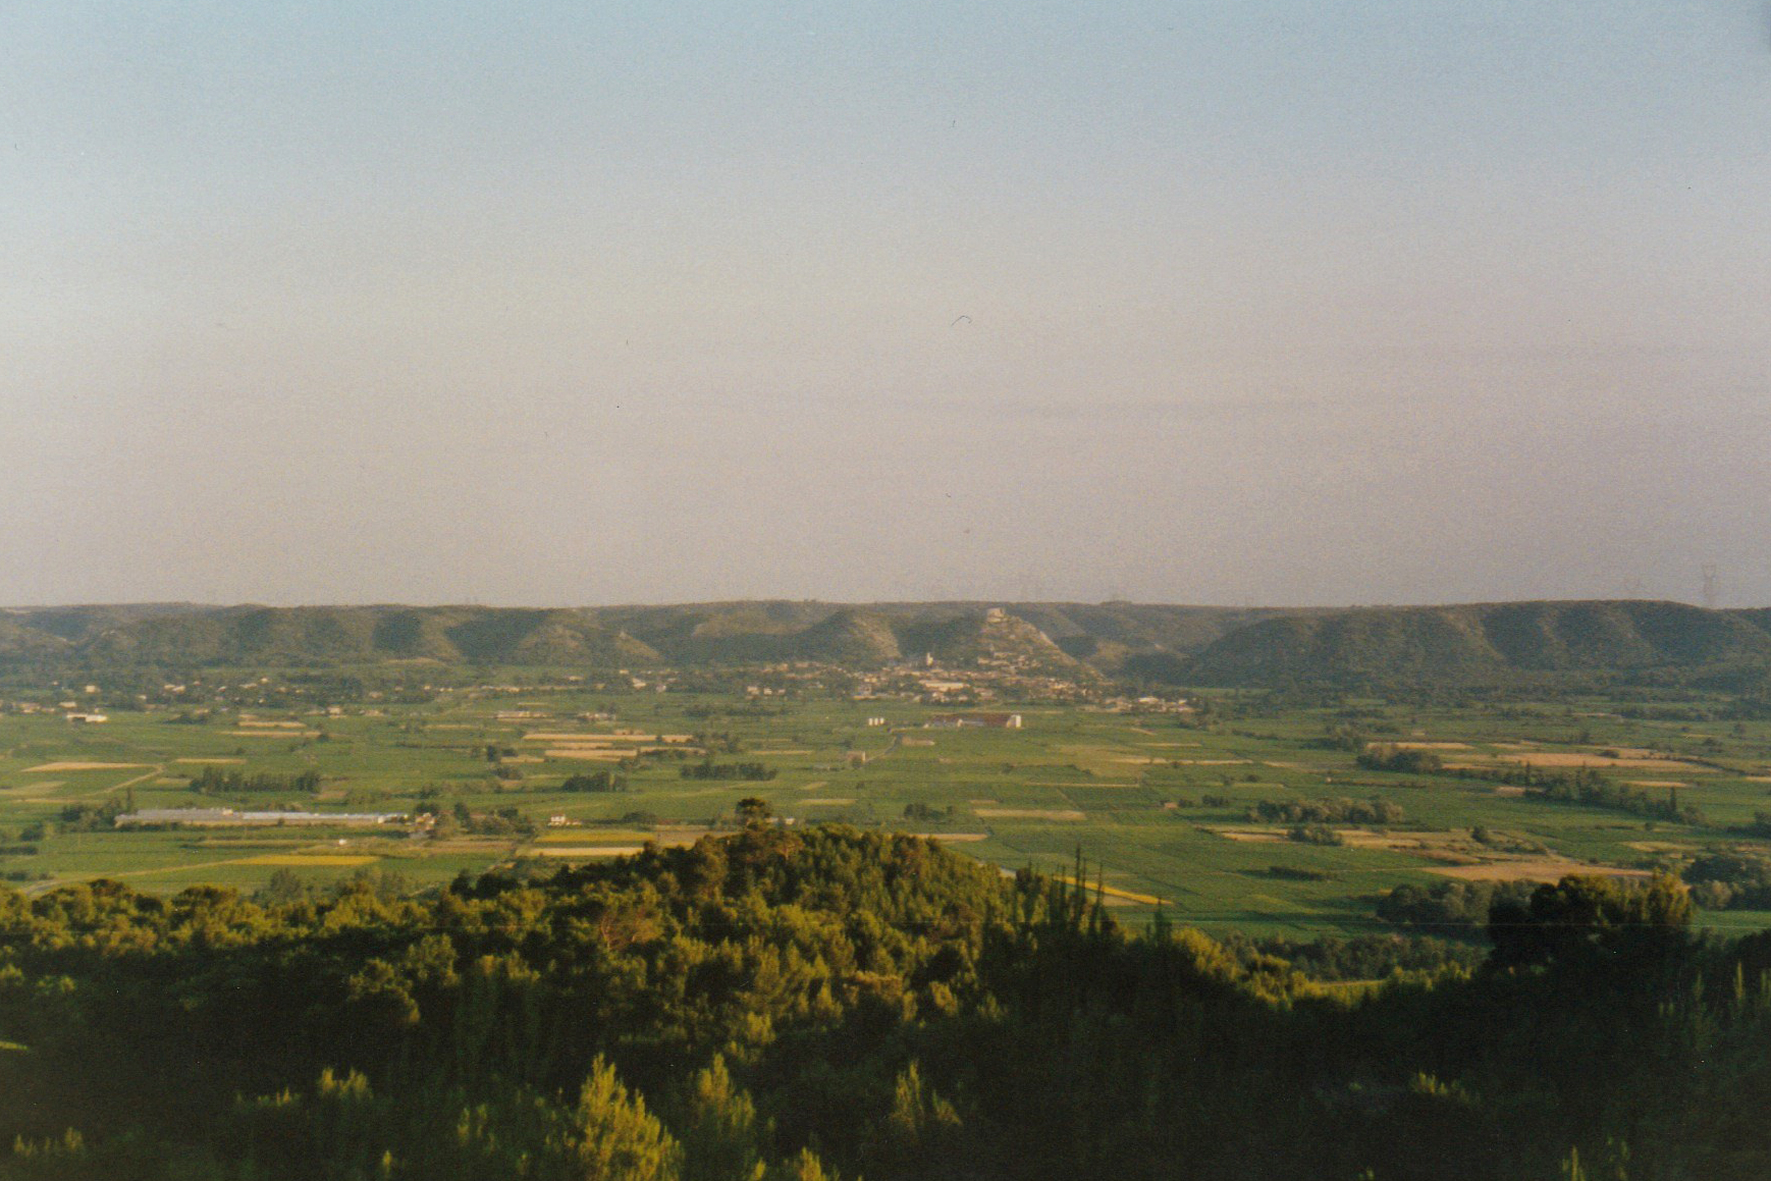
[(1466, 643), (1484, 642)]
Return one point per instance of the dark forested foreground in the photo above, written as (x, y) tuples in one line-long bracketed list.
[(831, 1003)]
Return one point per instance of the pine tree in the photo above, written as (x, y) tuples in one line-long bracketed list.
[(614, 1138), (722, 1139)]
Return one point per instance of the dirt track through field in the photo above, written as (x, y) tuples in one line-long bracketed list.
[(105, 791), (1030, 814), (1565, 759)]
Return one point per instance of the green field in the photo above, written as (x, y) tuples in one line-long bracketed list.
[(1157, 802)]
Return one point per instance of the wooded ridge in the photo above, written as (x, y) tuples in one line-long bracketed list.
[(1178, 645)]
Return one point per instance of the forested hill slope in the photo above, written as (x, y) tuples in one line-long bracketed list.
[(195, 637), (803, 1005), (1480, 642), (1149, 643), (682, 636)]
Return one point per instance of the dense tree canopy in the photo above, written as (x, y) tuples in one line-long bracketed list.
[(808, 1004)]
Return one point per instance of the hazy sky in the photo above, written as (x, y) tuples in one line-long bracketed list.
[(563, 303)]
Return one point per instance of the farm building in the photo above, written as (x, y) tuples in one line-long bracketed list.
[(980, 721), (228, 817)]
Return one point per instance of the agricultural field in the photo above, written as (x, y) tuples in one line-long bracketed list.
[(1216, 813)]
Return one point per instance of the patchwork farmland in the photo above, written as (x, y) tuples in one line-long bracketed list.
[(1225, 813)]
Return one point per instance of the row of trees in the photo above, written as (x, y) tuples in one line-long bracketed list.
[(1583, 785), (747, 772), (227, 781), (1387, 756), (1341, 811), (595, 781), (1574, 785)]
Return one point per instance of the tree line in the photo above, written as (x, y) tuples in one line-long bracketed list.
[(746, 772), (219, 781)]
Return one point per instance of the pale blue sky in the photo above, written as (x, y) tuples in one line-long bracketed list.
[(1275, 302)]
